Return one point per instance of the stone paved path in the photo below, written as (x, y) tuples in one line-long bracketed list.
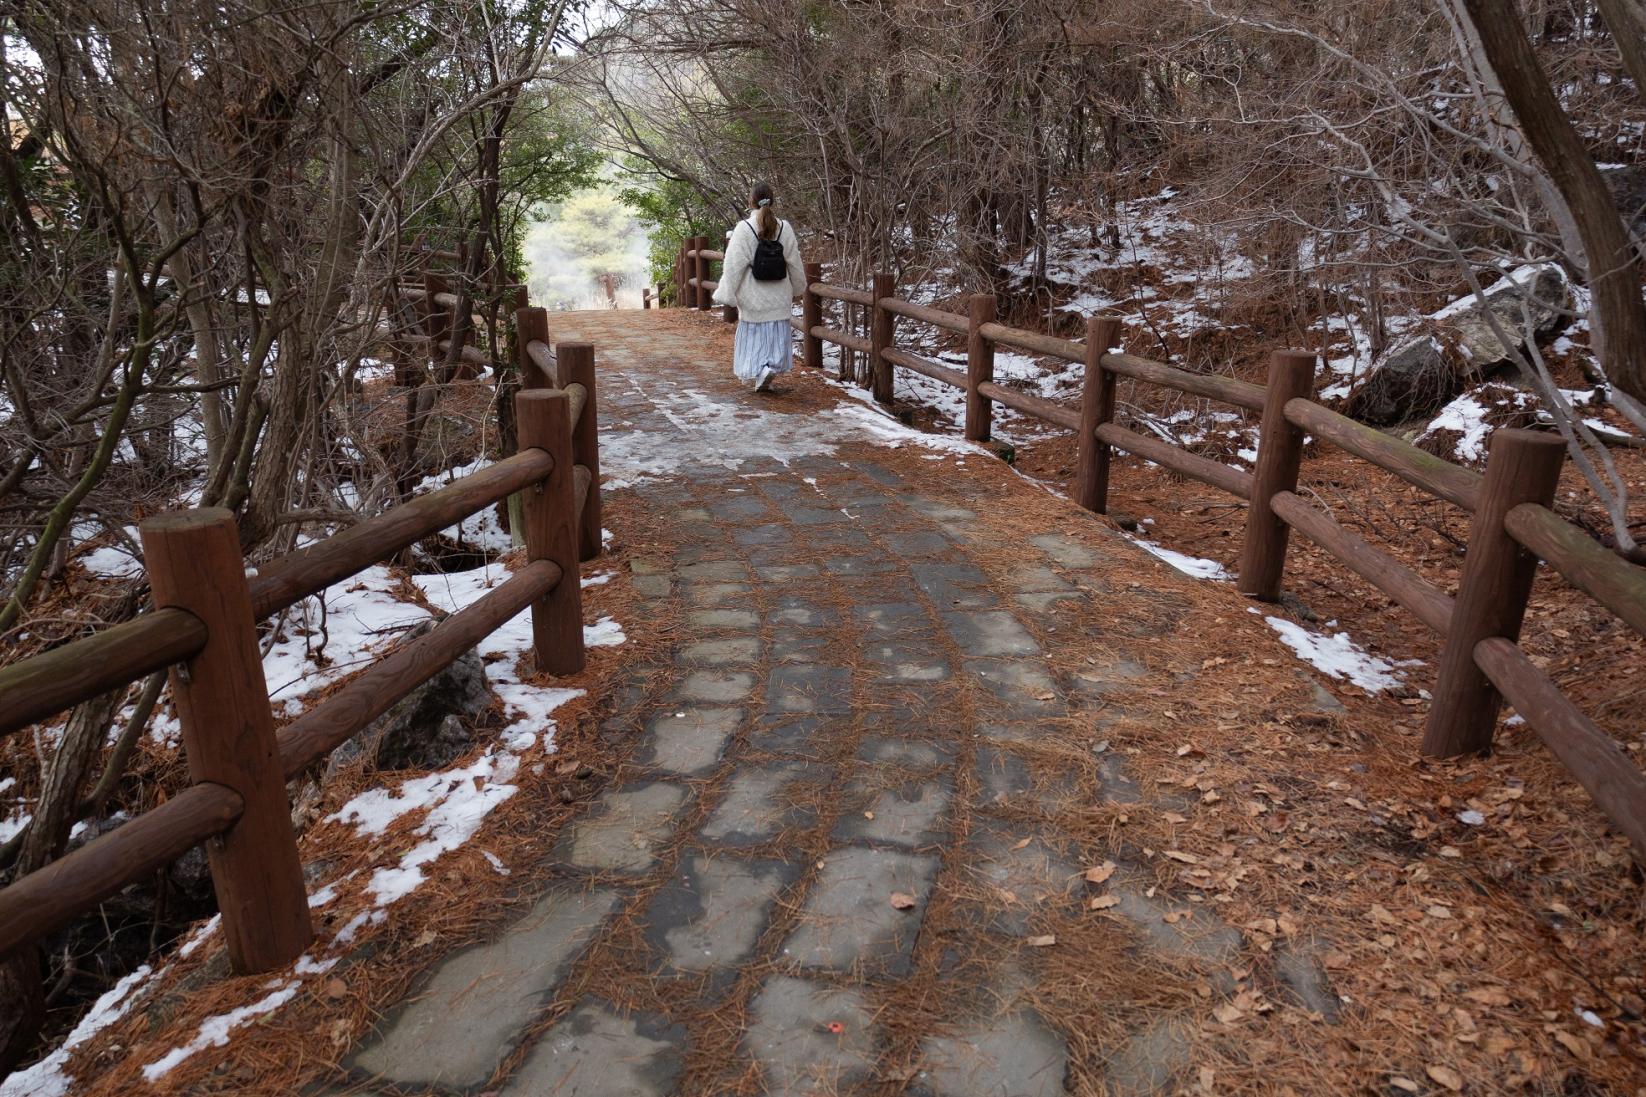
[(854, 802)]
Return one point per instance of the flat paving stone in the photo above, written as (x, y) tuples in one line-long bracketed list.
[(652, 586), (622, 831), (879, 474), (740, 508), (799, 735), (908, 753), (1036, 579), (724, 571), (1116, 784), (857, 565), (918, 544), (1006, 778), (689, 741), (906, 662), (795, 645), (594, 1051), (951, 585), (990, 633), (893, 618), (799, 612), (775, 533), (1201, 936), (1100, 680), (716, 686), (1065, 550), (732, 651), (1147, 1063), (809, 1039), (848, 923), (1012, 1056), (1039, 873), (741, 620), (912, 813), (712, 910), (1023, 686), (759, 804), (1306, 980), (937, 510), (787, 573), (714, 594), (802, 688), (814, 516), (462, 1023), (1049, 602)]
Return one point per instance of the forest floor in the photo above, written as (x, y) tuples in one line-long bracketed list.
[(914, 778)]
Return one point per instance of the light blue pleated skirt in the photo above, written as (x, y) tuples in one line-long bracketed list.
[(770, 344)]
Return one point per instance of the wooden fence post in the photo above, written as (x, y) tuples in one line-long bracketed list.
[(700, 271), (222, 700), (689, 267), (576, 364), (1524, 467), (437, 319), (1279, 453), (811, 314), (881, 330), (646, 297), (530, 325), (979, 367), (1096, 408), (544, 422)]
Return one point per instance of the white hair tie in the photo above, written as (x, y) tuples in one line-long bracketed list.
[(764, 202)]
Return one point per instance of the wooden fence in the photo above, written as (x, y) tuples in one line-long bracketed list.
[(424, 318), (1513, 526), (204, 628)]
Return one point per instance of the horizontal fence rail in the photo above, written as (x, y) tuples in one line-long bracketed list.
[(1481, 662), (204, 629)]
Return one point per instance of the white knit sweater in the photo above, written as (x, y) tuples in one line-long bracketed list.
[(759, 302)]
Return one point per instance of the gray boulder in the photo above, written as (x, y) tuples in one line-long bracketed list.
[(429, 727), (1459, 346), (1627, 183)]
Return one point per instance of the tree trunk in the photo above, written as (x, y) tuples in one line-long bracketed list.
[(1619, 318), (1626, 19)]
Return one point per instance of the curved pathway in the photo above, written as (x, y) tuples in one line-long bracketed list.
[(870, 832)]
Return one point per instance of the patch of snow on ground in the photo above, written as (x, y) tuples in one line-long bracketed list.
[(14, 823), (363, 615), (527, 705), (1337, 656), (604, 633), (1192, 566), (112, 562), (457, 802), (1467, 416), (47, 1078), (214, 1031)]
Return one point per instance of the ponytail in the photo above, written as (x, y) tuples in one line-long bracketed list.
[(766, 223)]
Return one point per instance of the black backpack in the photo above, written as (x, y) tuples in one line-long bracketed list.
[(769, 264)]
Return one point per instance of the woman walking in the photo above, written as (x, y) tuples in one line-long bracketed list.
[(762, 276)]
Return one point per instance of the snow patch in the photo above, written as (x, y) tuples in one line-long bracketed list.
[(1192, 566), (1337, 656), (47, 1078)]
